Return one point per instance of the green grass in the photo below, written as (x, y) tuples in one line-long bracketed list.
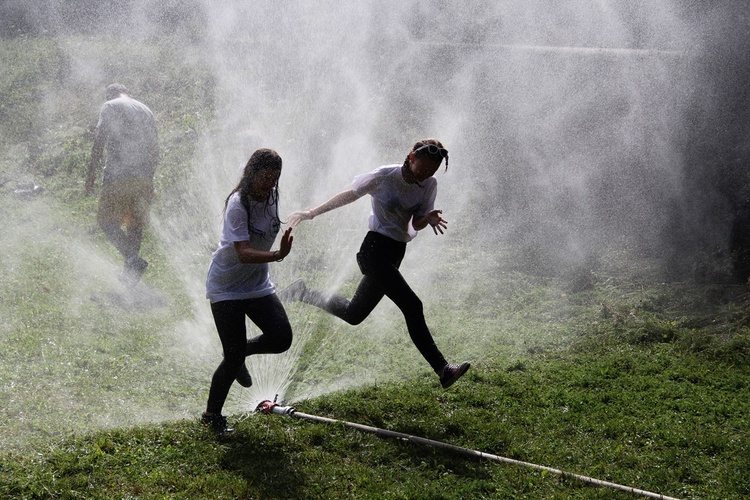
[(614, 375), (628, 415), (643, 386)]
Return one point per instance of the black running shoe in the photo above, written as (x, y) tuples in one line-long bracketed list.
[(294, 292), (134, 268), (243, 377), (217, 422), (451, 373)]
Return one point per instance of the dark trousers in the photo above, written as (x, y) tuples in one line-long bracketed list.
[(379, 259), (276, 336), (125, 203)]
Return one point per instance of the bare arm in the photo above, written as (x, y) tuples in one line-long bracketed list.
[(338, 200), (249, 255), (97, 152), (433, 218)]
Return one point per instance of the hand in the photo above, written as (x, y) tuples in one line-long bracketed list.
[(296, 217), (286, 243), (436, 221)]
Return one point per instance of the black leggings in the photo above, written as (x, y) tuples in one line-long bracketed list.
[(229, 315), (379, 258)]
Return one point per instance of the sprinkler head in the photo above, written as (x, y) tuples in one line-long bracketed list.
[(268, 407), (265, 407)]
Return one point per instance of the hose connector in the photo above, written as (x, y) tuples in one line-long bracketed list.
[(268, 407)]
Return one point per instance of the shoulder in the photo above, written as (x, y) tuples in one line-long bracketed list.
[(389, 169), (106, 108), (382, 171), (385, 171), (368, 181), (113, 108), (142, 106), (234, 202)]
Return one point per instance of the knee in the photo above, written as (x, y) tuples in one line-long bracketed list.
[(414, 304), (283, 341), (355, 320), (413, 308), (233, 359)]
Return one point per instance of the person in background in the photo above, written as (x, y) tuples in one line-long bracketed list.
[(127, 131), (239, 283), (403, 198)]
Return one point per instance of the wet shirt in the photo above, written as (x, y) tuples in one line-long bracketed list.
[(228, 278), (395, 201), (131, 139)]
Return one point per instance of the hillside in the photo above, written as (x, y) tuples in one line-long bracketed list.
[(610, 371)]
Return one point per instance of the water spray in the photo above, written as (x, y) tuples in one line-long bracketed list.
[(271, 407)]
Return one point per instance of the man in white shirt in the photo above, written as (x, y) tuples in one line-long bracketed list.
[(127, 131)]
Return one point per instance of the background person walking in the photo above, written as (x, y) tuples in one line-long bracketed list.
[(127, 131)]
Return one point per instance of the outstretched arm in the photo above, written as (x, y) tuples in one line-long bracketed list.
[(433, 218), (97, 151), (339, 200)]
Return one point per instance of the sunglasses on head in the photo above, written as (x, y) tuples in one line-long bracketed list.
[(433, 150)]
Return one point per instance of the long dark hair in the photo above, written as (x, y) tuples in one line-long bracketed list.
[(261, 159)]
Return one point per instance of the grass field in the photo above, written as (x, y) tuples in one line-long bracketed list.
[(610, 372), (643, 385)]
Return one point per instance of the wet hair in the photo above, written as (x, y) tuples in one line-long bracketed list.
[(261, 159), (425, 152), (115, 89)]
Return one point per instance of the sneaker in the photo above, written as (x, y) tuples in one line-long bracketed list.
[(451, 373), (217, 422), (134, 268), (137, 266), (294, 292), (243, 377)]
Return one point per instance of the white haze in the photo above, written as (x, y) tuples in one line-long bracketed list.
[(543, 108), (565, 124)]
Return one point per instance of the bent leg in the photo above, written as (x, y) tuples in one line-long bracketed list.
[(140, 193), (110, 216), (276, 333), (125, 203), (398, 290), (354, 311)]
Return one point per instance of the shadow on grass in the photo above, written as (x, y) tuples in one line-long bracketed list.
[(267, 468)]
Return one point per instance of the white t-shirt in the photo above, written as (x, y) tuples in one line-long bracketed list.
[(131, 139), (228, 278), (395, 201)]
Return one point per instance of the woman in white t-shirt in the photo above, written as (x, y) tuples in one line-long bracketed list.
[(403, 198), (238, 282)]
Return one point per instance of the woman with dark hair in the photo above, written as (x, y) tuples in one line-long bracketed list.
[(239, 284), (403, 198)]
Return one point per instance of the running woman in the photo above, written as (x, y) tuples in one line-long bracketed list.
[(239, 284), (403, 198)]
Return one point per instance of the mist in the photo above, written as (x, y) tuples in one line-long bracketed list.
[(573, 124), (574, 131)]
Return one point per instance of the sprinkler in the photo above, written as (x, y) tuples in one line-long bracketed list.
[(268, 407)]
